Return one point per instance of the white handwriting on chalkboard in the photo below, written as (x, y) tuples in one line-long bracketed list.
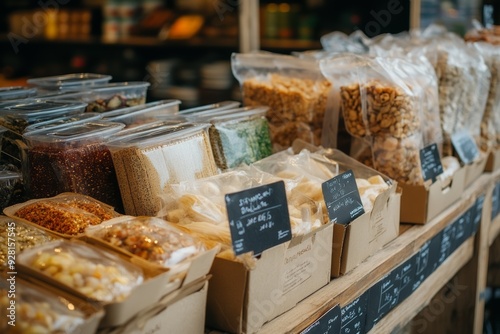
[(255, 203)]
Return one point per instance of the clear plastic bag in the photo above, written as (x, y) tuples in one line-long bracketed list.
[(91, 272), (294, 89), (382, 103), (199, 207), (150, 238), (490, 123)]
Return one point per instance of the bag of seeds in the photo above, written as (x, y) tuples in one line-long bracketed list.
[(238, 136), (490, 123), (382, 103), (294, 89)]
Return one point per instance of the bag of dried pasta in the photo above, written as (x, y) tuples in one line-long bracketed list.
[(294, 89), (383, 104)]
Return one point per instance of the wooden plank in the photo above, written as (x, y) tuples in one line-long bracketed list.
[(421, 297), (494, 230), (348, 287)]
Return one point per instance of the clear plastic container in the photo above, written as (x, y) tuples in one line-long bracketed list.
[(61, 122), (26, 236), (149, 238), (16, 93), (8, 184), (146, 113), (66, 215), (110, 96), (38, 310), (147, 162), (69, 81), (238, 136), (17, 116), (83, 270), (224, 105), (73, 159)]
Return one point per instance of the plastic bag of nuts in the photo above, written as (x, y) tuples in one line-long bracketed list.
[(294, 89), (382, 102), (490, 123)]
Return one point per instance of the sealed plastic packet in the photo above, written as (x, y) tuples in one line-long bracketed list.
[(294, 89), (382, 105), (490, 122)]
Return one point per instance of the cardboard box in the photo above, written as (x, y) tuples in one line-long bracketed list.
[(420, 204), (493, 162), (475, 169), (180, 312), (242, 300), (356, 241), (142, 296)]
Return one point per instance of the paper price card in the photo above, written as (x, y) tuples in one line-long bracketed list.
[(430, 162), (342, 198), (465, 146), (328, 323), (258, 218)]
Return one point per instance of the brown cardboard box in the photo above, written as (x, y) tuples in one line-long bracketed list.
[(475, 169), (420, 204), (356, 241), (493, 162), (180, 312), (141, 297), (242, 300)]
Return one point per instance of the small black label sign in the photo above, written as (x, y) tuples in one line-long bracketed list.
[(328, 323), (430, 162), (258, 218), (465, 146), (342, 198)]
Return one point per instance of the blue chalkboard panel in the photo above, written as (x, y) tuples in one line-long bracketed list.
[(258, 218)]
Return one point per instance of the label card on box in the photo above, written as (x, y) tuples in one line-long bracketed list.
[(342, 198), (465, 146), (258, 218), (328, 323), (430, 161)]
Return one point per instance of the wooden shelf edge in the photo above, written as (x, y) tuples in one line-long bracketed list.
[(350, 286)]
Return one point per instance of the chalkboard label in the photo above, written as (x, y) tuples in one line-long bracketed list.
[(342, 198), (465, 146), (405, 274), (430, 161), (328, 323), (353, 315), (258, 218), (495, 205), (462, 230), (384, 296), (477, 213)]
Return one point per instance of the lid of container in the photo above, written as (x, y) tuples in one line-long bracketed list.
[(151, 126), (157, 107), (228, 114), (70, 81), (120, 86), (60, 122), (78, 132), (160, 135), (40, 108), (214, 107), (16, 92)]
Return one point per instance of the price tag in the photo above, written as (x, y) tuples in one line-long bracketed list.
[(258, 218), (342, 198), (465, 146), (430, 162), (353, 315), (328, 323)]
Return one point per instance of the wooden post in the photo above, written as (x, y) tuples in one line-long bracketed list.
[(249, 25)]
